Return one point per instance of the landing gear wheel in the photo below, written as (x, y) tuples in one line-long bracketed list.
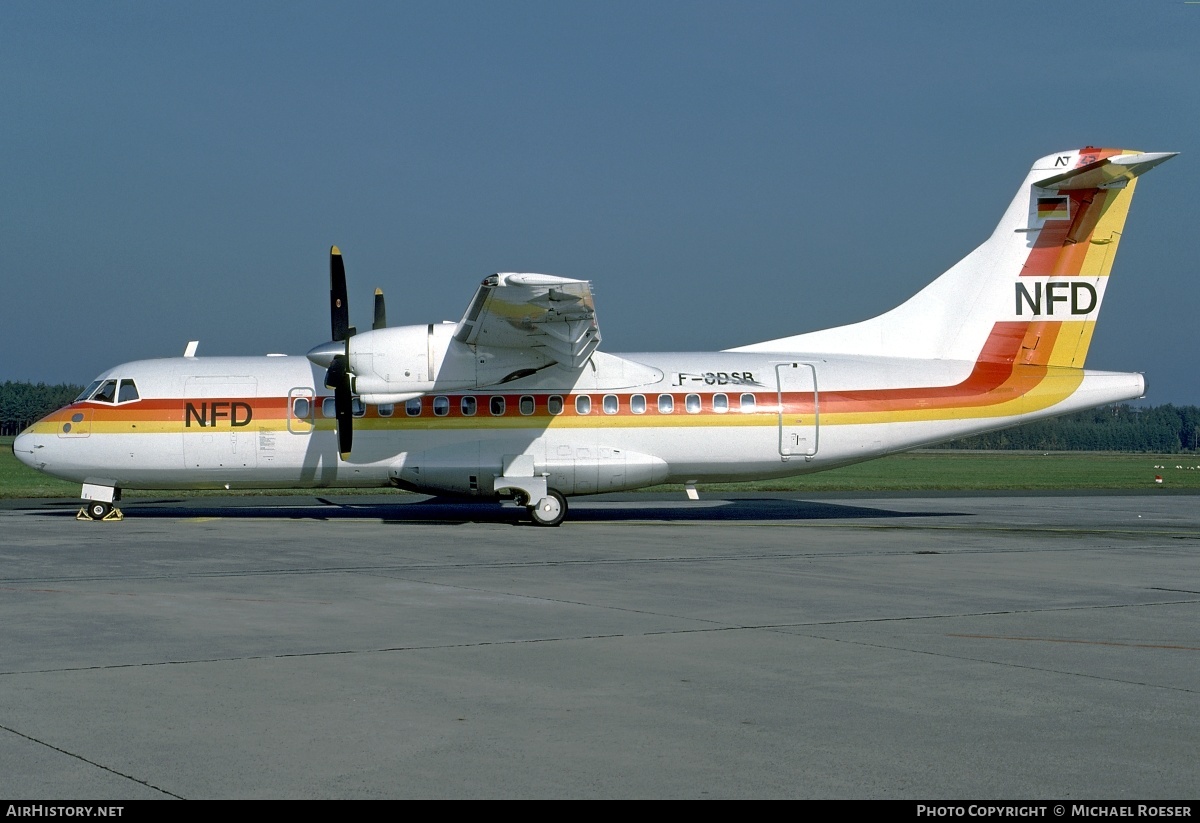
[(551, 510), (99, 510)]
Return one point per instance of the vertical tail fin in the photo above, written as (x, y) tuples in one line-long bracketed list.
[(1031, 292)]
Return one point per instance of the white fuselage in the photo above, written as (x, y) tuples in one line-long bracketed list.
[(622, 422)]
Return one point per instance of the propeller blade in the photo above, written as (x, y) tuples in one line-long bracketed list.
[(380, 311), (336, 374), (345, 418), (339, 308), (338, 378)]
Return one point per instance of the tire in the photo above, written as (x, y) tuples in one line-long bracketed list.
[(98, 509), (551, 510)]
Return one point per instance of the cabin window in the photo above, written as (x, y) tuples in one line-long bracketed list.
[(496, 405), (441, 405), (692, 403), (413, 407), (301, 408), (583, 404), (107, 393), (468, 405), (720, 403), (128, 392), (747, 402), (385, 409), (86, 393), (637, 404), (666, 403), (328, 407), (554, 404), (527, 404), (611, 404), (357, 407)]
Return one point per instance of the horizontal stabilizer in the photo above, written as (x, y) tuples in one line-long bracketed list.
[(1111, 172)]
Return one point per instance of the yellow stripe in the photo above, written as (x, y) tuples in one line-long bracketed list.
[(1071, 345), (1054, 388), (1106, 235)]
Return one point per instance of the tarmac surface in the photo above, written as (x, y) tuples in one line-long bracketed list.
[(749, 646)]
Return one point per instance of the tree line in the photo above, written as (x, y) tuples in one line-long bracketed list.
[(1165, 429), (1159, 429), (24, 403)]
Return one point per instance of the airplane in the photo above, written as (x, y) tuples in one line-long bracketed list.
[(515, 401)]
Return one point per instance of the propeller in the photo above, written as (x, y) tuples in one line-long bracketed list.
[(339, 377)]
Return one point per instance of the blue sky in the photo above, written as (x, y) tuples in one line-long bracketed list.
[(723, 172)]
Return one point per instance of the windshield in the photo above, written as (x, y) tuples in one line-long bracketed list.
[(86, 393), (107, 391)]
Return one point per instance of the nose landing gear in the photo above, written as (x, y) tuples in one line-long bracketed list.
[(99, 510), (98, 503)]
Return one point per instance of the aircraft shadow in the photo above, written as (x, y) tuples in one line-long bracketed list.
[(455, 510)]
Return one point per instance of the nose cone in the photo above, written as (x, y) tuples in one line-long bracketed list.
[(26, 448)]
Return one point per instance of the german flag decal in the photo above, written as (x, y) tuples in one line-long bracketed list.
[(1054, 208)]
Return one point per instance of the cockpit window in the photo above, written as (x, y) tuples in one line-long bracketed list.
[(107, 393), (110, 391), (86, 393), (128, 392)]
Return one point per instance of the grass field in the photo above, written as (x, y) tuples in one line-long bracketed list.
[(920, 471)]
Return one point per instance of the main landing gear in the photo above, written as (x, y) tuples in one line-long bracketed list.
[(546, 506), (551, 510)]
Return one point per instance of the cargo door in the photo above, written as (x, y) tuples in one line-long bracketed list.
[(217, 430)]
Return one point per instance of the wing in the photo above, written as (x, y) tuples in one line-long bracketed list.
[(552, 316)]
